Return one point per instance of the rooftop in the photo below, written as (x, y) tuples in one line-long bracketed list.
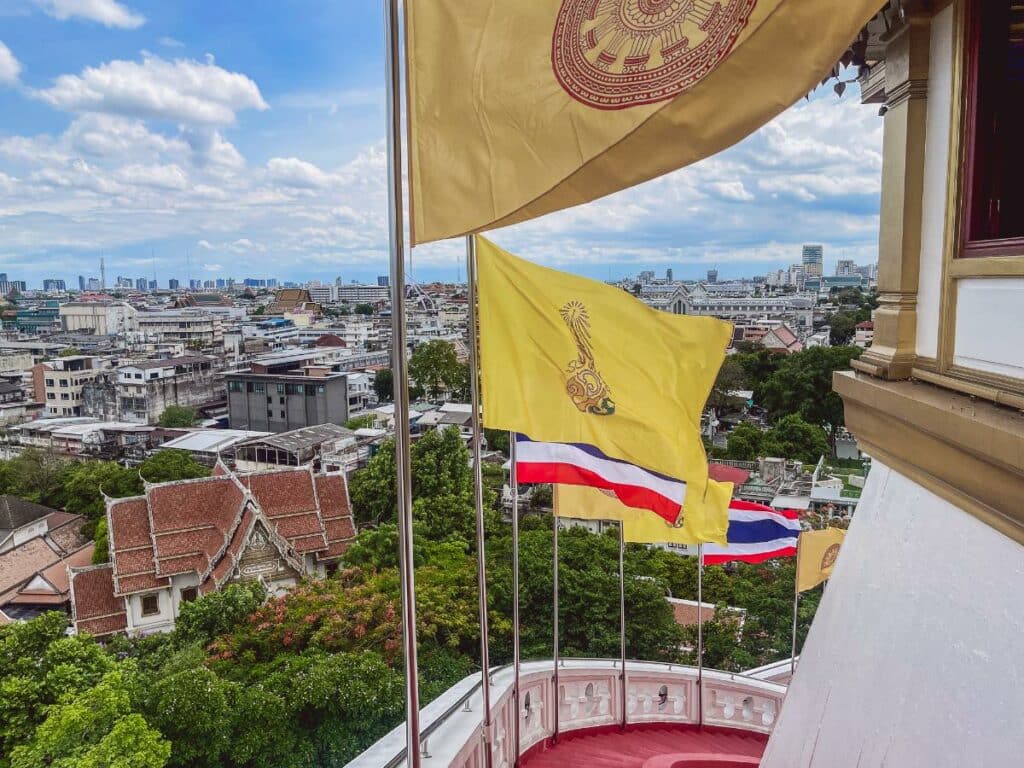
[(16, 512), (306, 437)]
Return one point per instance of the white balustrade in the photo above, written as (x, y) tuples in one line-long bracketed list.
[(589, 695)]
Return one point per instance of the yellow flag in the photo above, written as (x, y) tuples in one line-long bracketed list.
[(639, 526), (522, 107), (816, 555), (565, 359)]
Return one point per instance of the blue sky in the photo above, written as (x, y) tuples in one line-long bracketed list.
[(246, 139)]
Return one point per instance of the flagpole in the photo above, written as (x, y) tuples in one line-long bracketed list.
[(478, 496), (796, 604), (700, 635), (403, 463), (622, 616), (554, 516), (515, 594)]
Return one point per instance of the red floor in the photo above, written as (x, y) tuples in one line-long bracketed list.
[(662, 746)]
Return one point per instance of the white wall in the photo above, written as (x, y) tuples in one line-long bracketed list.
[(914, 655), (936, 160), (164, 620), (988, 323)]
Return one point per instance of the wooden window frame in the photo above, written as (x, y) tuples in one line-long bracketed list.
[(142, 605), (982, 248)]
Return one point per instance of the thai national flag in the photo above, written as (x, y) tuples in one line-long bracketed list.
[(756, 533), (582, 464)]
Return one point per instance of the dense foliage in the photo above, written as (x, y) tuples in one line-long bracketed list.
[(80, 486), (178, 416), (435, 367)]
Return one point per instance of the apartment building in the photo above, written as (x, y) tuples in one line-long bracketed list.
[(101, 318), (139, 392), (196, 329), (287, 392), (59, 383)]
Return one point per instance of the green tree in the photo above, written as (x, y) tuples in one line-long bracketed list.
[(745, 443), (178, 416), (731, 376), (802, 384), (190, 708), (793, 438), (217, 613), (70, 352), (96, 728), (101, 552), (171, 464), (38, 476), (384, 385), (359, 422), (841, 327), (435, 367), (497, 440), (364, 309), (88, 482)]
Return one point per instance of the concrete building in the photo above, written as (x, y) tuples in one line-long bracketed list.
[(286, 393), (102, 318), (59, 383), (813, 259), (140, 392), (196, 329)]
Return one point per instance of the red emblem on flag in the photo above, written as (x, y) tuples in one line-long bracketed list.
[(613, 54)]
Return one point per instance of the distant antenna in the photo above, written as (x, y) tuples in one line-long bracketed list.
[(188, 267), (103, 275)]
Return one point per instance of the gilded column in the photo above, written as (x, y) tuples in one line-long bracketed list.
[(891, 355)]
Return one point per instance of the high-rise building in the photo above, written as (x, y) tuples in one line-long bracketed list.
[(845, 268), (140, 284), (384, 281), (54, 285), (668, 274), (152, 285), (173, 284), (92, 284), (813, 260), (646, 276), (712, 275), (81, 283)]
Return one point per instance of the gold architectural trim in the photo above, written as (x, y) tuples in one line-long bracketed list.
[(954, 166), (995, 392), (987, 266), (969, 452)]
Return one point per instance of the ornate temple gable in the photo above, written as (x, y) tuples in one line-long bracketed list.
[(264, 557)]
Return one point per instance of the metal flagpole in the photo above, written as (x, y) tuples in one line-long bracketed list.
[(700, 635), (515, 593), (622, 617), (796, 605), (478, 496), (554, 516), (403, 486)]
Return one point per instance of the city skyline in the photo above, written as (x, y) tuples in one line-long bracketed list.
[(135, 132)]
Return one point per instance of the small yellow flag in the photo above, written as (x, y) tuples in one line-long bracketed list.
[(639, 526), (565, 359), (816, 555), (517, 108)]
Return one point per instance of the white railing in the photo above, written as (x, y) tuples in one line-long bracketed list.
[(589, 695)]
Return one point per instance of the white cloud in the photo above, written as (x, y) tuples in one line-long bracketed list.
[(205, 245), (213, 267), (183, 90), (156, 176), (170, 42), (732, 190), (292, 172), (10, 67), (118, 137), (109, 13)]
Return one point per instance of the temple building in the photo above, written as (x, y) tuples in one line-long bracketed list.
[(187, 538)]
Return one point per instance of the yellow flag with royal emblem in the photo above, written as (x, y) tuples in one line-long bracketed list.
[(816, 555), (517, 108), (576, 364)]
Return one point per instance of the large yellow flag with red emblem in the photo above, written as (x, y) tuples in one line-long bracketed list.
[(575, 362), (517, 108)]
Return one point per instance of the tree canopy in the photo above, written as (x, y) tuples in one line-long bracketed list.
[(178, 416), (384, 385), (802, 385), (435, 367)]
